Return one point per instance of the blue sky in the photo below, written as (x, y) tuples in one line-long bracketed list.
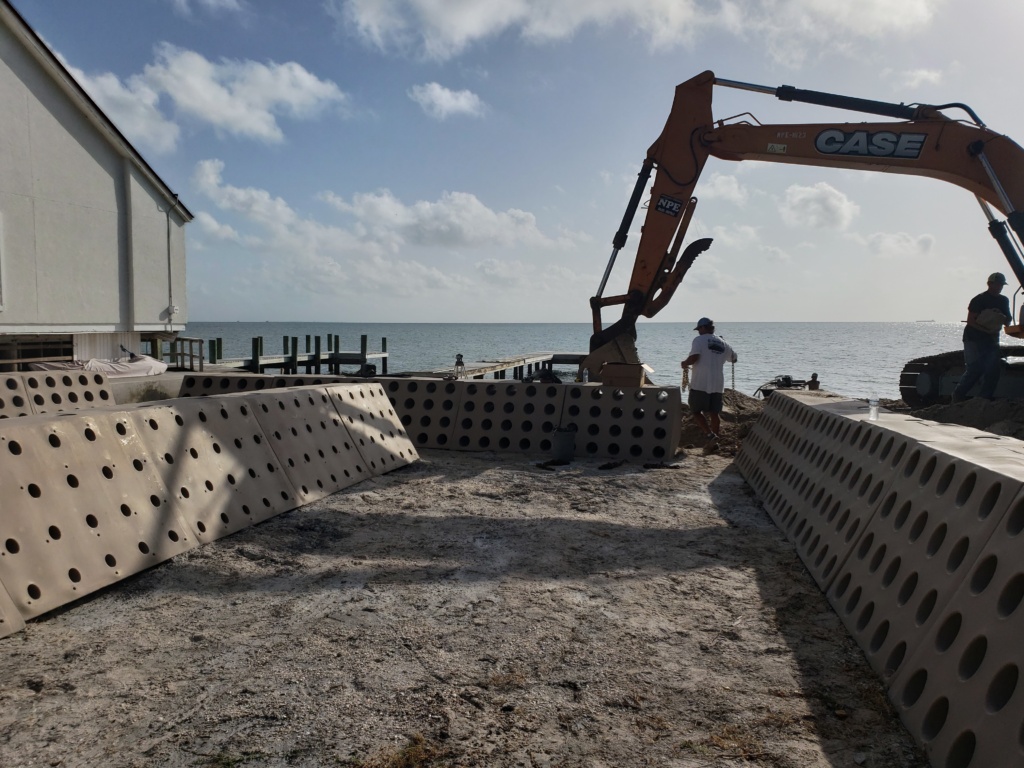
[(470, 160)]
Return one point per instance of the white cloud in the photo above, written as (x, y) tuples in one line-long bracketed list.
[(133, 106), (215, 230), (721, 187), (241, 98), (369, 255), (788, 28), (897, 244), (456, 220), (915, 78), (184, 7), (738, 237), (517, 274), (776, 254), (821, 206), (441, 103)]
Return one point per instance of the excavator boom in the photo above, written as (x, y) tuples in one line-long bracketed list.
[(924, 142)]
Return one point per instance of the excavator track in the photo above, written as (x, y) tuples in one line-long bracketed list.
[(930, 380)]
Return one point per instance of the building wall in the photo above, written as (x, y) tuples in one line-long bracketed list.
[(84, 242)]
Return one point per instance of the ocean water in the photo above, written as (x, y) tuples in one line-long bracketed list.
[(854, 359)]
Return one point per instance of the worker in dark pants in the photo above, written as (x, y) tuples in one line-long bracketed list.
[(987, 313)]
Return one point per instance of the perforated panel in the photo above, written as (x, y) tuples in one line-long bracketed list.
[(314, 447), (82, 509), (427, 409), (374, 426), (230, 383), (507, 416), (14, 400), (641, 423), (217, 463), (821, 476), (931, 525), (10, 618), (50, 391), (961, 693)]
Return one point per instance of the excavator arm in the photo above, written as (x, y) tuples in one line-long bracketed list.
[(924, 142)]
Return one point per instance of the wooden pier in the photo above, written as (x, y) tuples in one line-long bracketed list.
[(313, 360), (520, 366)]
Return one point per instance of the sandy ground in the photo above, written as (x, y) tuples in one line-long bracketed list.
[(467, 610)]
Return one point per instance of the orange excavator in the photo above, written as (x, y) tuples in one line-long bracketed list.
[(923, 141)]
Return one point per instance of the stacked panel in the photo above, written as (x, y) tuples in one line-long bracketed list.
[(371, 421), (641, 423), (83, 508), (427, 408), (216, 462), (315, 450), (507, 416), (14, 400), (66, 391), (230, 383), (961, 692), (932, 583)]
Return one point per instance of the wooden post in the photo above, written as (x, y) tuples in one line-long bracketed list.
[(220, 348), (307, 343), (362, 353), (213, 350), (261, 344), (293, 363), (384, 360), (316, 354), (254, 364)]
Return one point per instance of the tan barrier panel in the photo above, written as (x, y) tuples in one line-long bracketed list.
[(50, 391), (427, 408), (914, 554), (315, 449), (10, 619), (212, 455), (961, 692), (641, 423), (933, 584), (507, 416), (82, 508), (374, 426), (199, 385), (36, 392), (14, 399), (820, 476)]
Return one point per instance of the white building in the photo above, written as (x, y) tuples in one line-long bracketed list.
[(92, 241)]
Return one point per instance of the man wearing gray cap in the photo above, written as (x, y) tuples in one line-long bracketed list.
[(987, 313), (708, 355)]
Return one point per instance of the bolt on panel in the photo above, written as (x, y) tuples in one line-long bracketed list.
[(216, 462), (83, 508), (961, 693), (50, 391), (375, 428), (427, 409), (641, 423), (314, 447), (507, 416), (914, 554)]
